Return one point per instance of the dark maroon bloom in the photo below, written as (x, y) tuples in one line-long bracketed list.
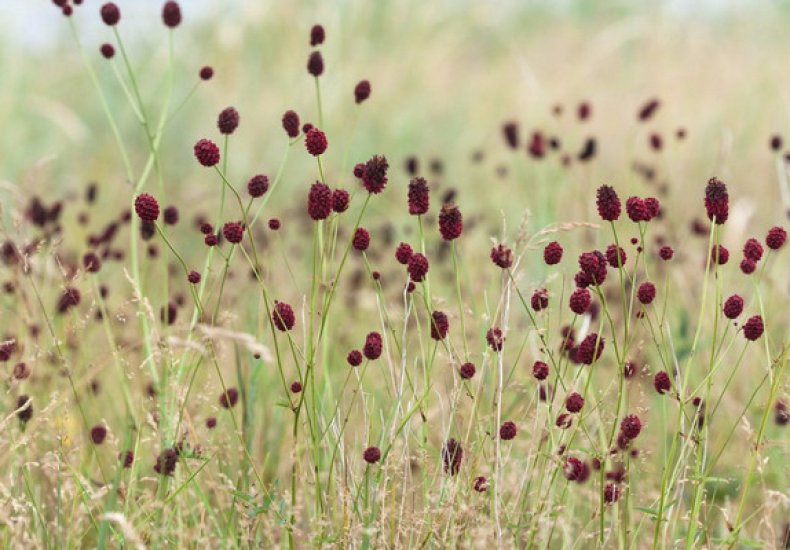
[(776, 142), (193, 277), (575, 470), (147, 207), (107, 51), (753, 250), (361, 239), (229, 398), (782, 418), (608, 203), (306, 127), (574, 402), (417, 267), (168, 313), (228, 121), (480, 484), (207, 152), (580, 301), (21, 371), (283, 316), (637, 210), (439, 325), (661, 382), (467, 371), (552, 254), (91, 262), (717, 201), (340, 200), (68, 10), (719, 254), (588, 150), (776, 238), (374, 176), (211, 240), (70, 298), (510, 131), (653, 207), (233, 232), (403, 253), (25, 414), (584, 110), (451, 222), (206, 73), (537, 145), (274, 224), (508, 430), (171, 14), (502, 256), (646, 293), (419, 199), (362, 91), (648, 109), (258, 185), (98, 434), (631, 426), (166, 462), (616, 256), (540, 370), (593, 264), (359, 170), (354, 358), (753, 328), (373, 346), (110, 14), (564, 420), (126, 458), (666, 253), (315, 142), (315, 64), (291, 124), (319, 201), (296, 386), (655, 141), (540, 299), (317, 35), (452, 455), (590, 349), (748, 266), (733, 306), (206, 228), (495, 339), (611, 493), (371, 455)]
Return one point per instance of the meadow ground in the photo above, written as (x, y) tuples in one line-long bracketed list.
[(395, 274)]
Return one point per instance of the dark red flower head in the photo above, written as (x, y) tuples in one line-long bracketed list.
[(354, 358), (228, 120), (467, 371), (733, 307), (27, 413), (206, 73), (403, 253), (296, 386), (291, 124), (719, 254), (540, 299), (107, 51), (258, 185), (374, 176), (753, 250), (166, 462), (98, 434), (417, 267), (666, 253), (229, 398), (207, 152), (274, 224), (439, 325), (776, 238), (611, 493), (419, 198), (540, 370), (590, 349), (362, 91), (317, 35), (171, 14), (593, 264), (110, 14), (315, 64), (580, 301), (575, 470), (631, 426), (193, 277), (637, 210), (319, 201), (373, 346), (753, 328), (661, 382), (315, 142), (717, 201), (510, 131), (371, 455), (748, 266), (480, 484), (70, 298), (646, 293), (608, 203), (451, 222), (502, 256), (147, 207), (283, 316), (552, 254), (648, 109), (615, 256), (495, 339), (508, 430), (574, 402), (91, 262), (340, 200), (233, 232), (452, 455), (361, 239)]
